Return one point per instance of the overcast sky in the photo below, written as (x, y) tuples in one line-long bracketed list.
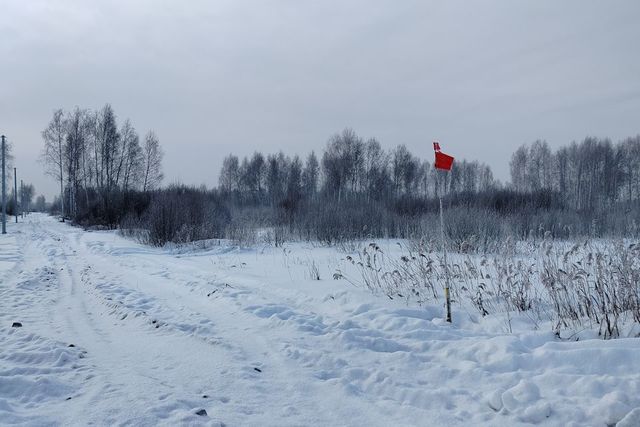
[(214, 77)]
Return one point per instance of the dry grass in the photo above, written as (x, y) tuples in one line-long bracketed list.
[(593, 285)]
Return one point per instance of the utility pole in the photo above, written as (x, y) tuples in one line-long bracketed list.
[(15, 191), (22, 198), (4, 188)]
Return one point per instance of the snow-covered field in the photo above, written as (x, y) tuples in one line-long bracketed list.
[(116, 333)]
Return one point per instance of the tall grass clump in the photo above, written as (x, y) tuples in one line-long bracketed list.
[(594, 284)]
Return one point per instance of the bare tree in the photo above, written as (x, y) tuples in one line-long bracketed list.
[(152, 161), (405, 168), (630, 167), (470, 173), (252, 176), (41, 204), (108, 147), (343, 163), (130, 162), (375, 168), (230, 173), (294, 179), (310, 176), (538, 168), (425, 176), (276, 175), (54, 137), (93, 133), (26, 196), (518, 167), (75, 155), (127, 134), (561, 170), (486, 181), (133, 165)]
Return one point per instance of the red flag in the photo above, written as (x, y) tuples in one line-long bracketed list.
[(443, 161)]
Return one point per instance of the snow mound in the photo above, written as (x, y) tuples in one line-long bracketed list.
[(35, 374)]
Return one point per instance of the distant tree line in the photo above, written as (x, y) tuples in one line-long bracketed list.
[(589, 175), (356, 189), (350, 169), (353, 189)]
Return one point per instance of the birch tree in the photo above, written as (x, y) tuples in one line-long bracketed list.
[(54, 136), (152, 162)]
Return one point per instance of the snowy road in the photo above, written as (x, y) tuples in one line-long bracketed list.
[(115, 333)]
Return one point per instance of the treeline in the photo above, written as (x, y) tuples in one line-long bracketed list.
[(353, 189), (99, 165), (589, 175), (350, 169)]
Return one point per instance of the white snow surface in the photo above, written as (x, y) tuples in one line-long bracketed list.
[(117, 333)]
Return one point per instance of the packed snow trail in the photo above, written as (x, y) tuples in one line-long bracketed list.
[(116, 333)]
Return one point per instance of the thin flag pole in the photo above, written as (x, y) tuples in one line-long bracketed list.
[(447, 294), (443, 162)]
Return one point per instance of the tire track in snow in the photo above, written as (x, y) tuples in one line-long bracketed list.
[(250, 347), (128, 360)]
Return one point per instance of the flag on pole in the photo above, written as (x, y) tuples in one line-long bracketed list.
[(443, 161)]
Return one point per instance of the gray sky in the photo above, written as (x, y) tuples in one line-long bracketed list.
[(214, 77)]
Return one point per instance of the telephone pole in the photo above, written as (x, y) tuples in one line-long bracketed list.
[(15, 191), (4, 188), (22, 198)]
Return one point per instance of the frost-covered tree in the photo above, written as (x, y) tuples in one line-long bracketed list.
[(152, 162), (73, 154), (41, 204), (229, 174), (108, 141), (518, 166), (311, 176), (54, 136)]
